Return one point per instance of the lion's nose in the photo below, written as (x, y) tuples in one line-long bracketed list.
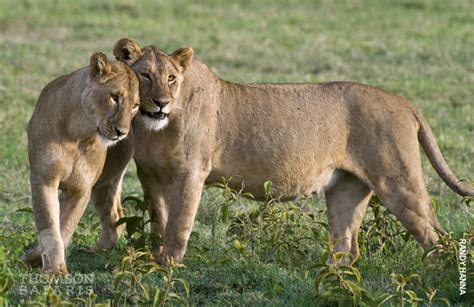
[(161, 102), (120, 132)]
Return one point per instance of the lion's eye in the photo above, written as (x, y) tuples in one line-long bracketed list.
[(135, 106), (171, 78), (145, 76), (114, 98)]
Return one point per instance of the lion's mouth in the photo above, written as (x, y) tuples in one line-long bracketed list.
[(105, 136), (107, 140), (155, 115)]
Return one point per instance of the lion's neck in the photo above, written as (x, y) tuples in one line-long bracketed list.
[(197, 93), (202, 83)]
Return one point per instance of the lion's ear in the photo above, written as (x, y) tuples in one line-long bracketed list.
[(127, 50), (100, 65), (183, 56)]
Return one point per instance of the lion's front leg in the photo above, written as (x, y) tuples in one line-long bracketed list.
[(182, 203), (47, 218), (154, 193), (71, 208)]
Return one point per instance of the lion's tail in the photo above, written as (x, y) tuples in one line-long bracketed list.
[(432, 151)]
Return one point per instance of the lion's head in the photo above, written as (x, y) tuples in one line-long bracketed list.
[(160, 75), (111, 99)]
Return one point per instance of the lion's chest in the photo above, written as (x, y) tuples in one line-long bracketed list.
[(83, 166), (154, 154)]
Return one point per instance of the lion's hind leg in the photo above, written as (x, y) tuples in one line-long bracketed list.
[(399, 183), (107, 202), (106, 193), (347, 202), (408, 200)]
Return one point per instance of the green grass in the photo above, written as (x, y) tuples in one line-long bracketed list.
[(422, 50)]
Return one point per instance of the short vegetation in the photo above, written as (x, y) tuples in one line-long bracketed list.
[(243, 252)]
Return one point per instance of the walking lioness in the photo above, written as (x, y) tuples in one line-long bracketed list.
[(77, 116), (345, 139)]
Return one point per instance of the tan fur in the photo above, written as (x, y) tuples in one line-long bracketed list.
[(344, 138), (77, 116)]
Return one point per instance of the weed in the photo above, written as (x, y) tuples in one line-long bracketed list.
[(130, 287), (136, 225), (340, 284), (381, 232), (446, 251), (51, 298), (402, 294), (163, 296), (273, 231), (430, 64), (430, 298), (6, 276)]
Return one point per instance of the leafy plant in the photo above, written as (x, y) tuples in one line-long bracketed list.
[(163, 296), (128, 278), (381, 231), (136, 226), (129, 284), (401, 293), (6, 276), (273, 231), (340, 284), (430, 298), (446, 251), (51, 298)]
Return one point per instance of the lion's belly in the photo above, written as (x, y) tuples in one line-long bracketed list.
[(291, 178), (298, 157)]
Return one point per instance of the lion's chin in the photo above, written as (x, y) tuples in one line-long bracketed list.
[(154, 124), (106, 141)]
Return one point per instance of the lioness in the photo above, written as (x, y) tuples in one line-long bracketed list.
[(76, 118), (345, 139)]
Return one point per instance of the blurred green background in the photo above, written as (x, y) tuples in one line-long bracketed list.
[(422, 50)]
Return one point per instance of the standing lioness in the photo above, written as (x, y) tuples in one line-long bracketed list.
[(346, 139), (77, 116)]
